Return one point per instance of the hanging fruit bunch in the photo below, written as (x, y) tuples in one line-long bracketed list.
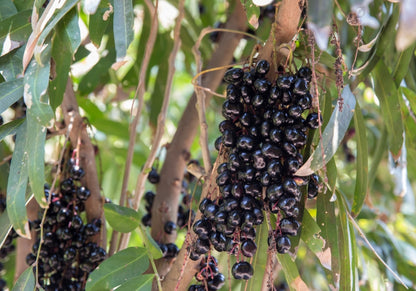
[(66, 255), (263, 134)]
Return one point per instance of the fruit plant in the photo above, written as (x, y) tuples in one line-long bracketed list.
[(207, 145)]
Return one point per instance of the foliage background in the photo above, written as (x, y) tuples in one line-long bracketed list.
[(367, 196)]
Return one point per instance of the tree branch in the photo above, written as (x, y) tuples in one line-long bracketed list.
[(94, 204)]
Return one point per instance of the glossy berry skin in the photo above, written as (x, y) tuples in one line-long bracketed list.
[(153, 176), (283, 244), (216, 282), (233, 76), (170, 227), (262, 67), (76, 172), (312, 120), (172, 250), (248, 247), (289, 226), (242, 270)]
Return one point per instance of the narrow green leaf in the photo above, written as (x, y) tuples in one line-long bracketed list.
[(7, 9), (347, 245), (332, 135), (290, 270), (150, 244), (5, 227), (59, 14), (26, 281), (10, 92), (97, 24), (139, 283), (361, 180), (388, 95), (16, 27), (122, 219), (252, 12), (35, 148), (402, 65), (123, 26), (36, 81), (118, 269), (66, 41), (319, 20), (259, 261), (11, 64), (10, 128), (310, 233), (16, 185), (377, 157), (157, 96)]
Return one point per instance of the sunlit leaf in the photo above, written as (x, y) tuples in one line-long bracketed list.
[(252, 12), (35, 148), (332, 136), (118, 269), (150, 244), (26, 281), (16, 185), (388, 95), (310, 233), (122, 219), (10, 92), (66, 41), (293, 279), (139, 283), (361, 180), (123, 26)]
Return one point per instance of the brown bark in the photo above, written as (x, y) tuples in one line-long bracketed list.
[(165, 206), (78, 132)]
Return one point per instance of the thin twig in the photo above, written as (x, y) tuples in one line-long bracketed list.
[(140, 91)]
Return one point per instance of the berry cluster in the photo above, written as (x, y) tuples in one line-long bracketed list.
[(66, 257), (208, 275), (262, 135), (170, 250), (7, 246)]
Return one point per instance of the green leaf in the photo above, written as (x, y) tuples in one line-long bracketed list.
[(36, 81), (35, 148), (66, 41), (97, 25), (402, 65), (7, 9), (319, 20), (118, 269), (122, 219), (10, 128), (252, 12), (139, 283), (26, 281), (123, 26), (5, 226), (150, 244), (16, 27), (11, 65), (16, 185), (388, 95), (10, 92), (291, 273), (361, 180), (157, 96), (332, 136), (259, 261), (310, 233)]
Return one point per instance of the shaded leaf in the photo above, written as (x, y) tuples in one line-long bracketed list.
[(150, 244), (402, 65), (97, 24), (10, 92), (290, 270), (139, 283), (15, 28), (10, 128), (361, 180), (319, 21), (16, 185), (11, 65), (332, 135), (35, 148), (388, 95), (252, 12), (66, 41), (5, 226), (122, 219), (7, 9), (118, 269), (26, 281), (122, 26), (157, 96)]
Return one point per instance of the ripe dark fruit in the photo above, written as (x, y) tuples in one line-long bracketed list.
[(248, 248), (282, 244), (77, 173), (169, 227), (242, 270), (262, 67), (153, 176), (312, 120), (233, 76)]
